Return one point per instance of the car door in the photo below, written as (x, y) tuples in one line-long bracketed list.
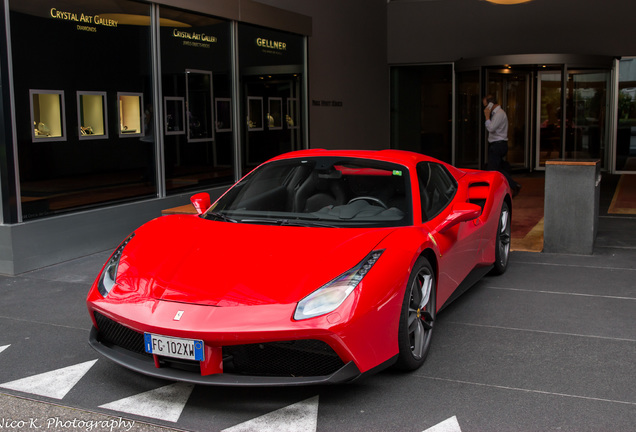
[(458, 245)]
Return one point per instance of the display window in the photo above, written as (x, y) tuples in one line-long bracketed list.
[(174, 111), (223, 114), (131, 122), (255, 114), (47, 115), (196, 81), (92, 115), (275, 113), (200, 107), (292, 113), (271, 65), (83, 54)]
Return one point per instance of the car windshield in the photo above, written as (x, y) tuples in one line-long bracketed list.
[(320, 191)]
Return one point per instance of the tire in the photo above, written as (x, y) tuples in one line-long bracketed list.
[(417, 317), (502, 243)]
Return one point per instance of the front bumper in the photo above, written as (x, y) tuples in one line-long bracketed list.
[(145, 364), (247, 345)]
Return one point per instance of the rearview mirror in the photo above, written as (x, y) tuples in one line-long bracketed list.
[(462, 212), (201, 202)]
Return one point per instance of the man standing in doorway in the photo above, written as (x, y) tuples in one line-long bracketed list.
[(497, 127)]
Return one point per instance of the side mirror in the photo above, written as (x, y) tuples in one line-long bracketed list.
[(201, 202), (462, 212)]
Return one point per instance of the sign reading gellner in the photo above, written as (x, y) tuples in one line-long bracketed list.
[(271, 46)]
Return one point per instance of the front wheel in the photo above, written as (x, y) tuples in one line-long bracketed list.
[(502, 243), (417, 317)]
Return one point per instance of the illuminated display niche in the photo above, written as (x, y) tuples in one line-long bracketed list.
[(92, 117), (130, 114), (47, 115)]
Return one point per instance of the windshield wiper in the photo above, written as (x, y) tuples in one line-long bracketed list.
[(289, 222), (309, 223), (221, 216)]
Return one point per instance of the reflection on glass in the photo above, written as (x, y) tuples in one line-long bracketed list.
[(47, 115), (549, 106), (223, 114), (585, 115), (275, 113), (130, 114), (626, 128), (199, 105), (92, 115), (255, 113), (175, 115)]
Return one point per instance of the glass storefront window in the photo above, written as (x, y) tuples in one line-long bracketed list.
[(626, 118), (196, 80), (67, 76), (87, 77), (271, 77)]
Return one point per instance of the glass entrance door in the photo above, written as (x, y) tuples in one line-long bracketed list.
[(580, 130), (512, 91), (549, 115), (587, 115)]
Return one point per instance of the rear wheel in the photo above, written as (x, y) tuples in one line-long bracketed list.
[(502, 244), (417, 317)]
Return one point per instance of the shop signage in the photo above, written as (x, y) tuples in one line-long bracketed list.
[(199, 40), (202, 37), (270, 44), (326, 103), (81, 18)]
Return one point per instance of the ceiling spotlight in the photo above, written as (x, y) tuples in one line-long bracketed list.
[(508, 2)]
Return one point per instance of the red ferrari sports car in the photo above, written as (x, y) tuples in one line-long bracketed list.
[(317, 267)]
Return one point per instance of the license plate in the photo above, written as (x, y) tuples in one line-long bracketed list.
[(188, 349)]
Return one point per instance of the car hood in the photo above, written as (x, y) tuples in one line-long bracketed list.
[(192, 260)]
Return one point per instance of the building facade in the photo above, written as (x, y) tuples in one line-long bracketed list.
[(113, 111)]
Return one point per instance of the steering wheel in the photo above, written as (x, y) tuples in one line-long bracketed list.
[(373, 200)]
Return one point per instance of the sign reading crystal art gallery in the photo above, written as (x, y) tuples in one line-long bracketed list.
[(202, 37), (194, 39), (81, 18)]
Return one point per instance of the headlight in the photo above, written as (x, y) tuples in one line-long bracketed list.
[(328, 297), (108, 278)]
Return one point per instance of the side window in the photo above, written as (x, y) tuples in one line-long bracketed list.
[(437, 188)]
